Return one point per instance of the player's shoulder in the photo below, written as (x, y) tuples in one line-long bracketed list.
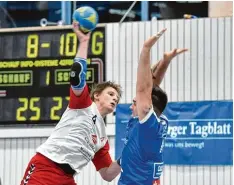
[(81, 111), (90, 110)]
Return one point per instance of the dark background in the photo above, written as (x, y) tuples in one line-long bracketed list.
[(21, 14)]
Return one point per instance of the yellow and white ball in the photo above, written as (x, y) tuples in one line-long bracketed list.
[(87, 18)]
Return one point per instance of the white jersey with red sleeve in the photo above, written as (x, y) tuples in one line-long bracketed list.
[(80, 136)]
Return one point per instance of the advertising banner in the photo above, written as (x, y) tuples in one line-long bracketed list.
[(199, 133)]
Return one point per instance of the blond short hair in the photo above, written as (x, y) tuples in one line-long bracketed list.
[(98, 88)]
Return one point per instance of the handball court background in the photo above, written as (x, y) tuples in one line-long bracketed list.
[(203, 73)]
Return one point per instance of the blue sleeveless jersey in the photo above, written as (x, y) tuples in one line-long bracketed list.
[(142, 156)]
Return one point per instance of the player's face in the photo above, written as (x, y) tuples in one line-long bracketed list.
[(134, 108), (108, 99)]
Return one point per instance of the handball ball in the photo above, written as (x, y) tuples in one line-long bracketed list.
[(87, 18)]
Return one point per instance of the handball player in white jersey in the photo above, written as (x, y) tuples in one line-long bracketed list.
[(80, 136)]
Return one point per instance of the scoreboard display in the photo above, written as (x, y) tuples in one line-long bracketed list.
[(34, 71)]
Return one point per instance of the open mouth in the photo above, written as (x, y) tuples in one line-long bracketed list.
[(113, 104)]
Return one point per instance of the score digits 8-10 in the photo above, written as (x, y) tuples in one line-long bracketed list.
[(68, 44), (29, 105)]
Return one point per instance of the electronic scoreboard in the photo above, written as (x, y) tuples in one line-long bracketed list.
[(34, 71)]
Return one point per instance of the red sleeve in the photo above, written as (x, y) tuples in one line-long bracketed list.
[(102, 158), (79, 102)]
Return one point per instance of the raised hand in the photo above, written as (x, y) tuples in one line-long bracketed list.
[(81, 36), (152, 40), (168, 56), (159, 69)]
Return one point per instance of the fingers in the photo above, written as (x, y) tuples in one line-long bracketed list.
[(152, 40), (159, 34), (88, 34), (174, 52), (179, 51), (81, 36), (75, 23), (76, 27)]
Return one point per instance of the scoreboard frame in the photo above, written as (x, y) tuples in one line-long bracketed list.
[(34, 72)]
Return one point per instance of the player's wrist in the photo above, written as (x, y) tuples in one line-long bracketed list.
[(84, 42), (78, 73)]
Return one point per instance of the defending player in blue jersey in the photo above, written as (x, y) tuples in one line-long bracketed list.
[(142, 156)]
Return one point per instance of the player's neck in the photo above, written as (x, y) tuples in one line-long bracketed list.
[(103, 112)]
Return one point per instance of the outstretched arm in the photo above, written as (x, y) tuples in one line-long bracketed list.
[(107, 168), (79, 67), (159, 69), (144, 77)]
